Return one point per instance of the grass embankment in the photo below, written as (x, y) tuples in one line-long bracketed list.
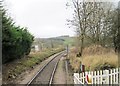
[(94, 58), (13, 69)]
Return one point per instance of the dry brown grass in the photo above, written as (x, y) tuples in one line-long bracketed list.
[(94, 61), (93, 57)]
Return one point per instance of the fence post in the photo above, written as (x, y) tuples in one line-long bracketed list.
[(101, 77), (107, 78), (95, 76), (114, 76), (98, 77), (111, 80), (92, 76)]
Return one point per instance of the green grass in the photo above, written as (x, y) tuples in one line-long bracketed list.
[(57, 41), (69, 41), (28, 62)]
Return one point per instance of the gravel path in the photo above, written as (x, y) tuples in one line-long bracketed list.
[(60, 74), (63, 74), (69, 74)]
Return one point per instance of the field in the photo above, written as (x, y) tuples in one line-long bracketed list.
[(60, 41), (94, 58)]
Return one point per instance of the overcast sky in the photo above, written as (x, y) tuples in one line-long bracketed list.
[(44, 18)]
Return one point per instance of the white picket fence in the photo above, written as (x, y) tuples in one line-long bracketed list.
[(99, 77)]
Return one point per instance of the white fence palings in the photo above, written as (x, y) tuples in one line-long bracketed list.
[(99, 77), (76, 79)]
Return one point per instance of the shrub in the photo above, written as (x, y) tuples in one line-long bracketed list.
[(16, 41)]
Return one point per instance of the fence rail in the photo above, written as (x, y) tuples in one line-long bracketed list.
[(111, 76)]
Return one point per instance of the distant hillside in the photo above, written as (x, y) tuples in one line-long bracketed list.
[(54, 41), (67, 40)]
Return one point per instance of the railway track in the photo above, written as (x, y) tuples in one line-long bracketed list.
[(46, 73)]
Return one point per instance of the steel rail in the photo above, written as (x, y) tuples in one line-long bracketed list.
[(53, 72)]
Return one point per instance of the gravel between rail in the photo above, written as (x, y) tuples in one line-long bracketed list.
[(44, 76)]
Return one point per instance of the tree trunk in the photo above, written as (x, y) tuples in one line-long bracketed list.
[(82, 46)]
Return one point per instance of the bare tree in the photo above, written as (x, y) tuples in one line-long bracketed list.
[(92, 20), (82, 10)]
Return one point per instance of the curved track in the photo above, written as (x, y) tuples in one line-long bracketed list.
[(46, 74)]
